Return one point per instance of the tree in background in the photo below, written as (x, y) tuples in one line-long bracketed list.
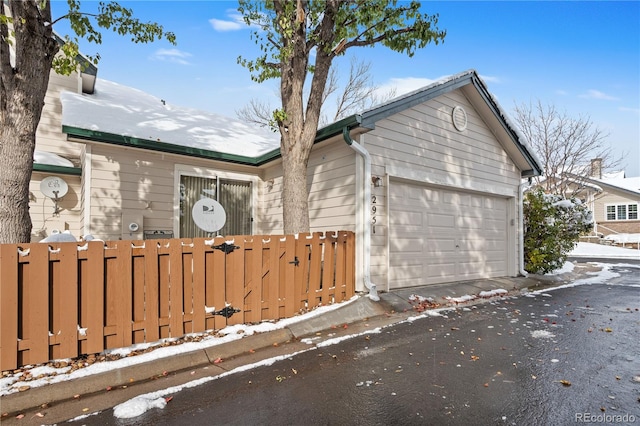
[(552, 227), (28, 52), (358, 94), (292, 33), (565, 146)]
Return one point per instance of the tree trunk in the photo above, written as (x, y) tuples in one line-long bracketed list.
[(295, 196), (23, 87)]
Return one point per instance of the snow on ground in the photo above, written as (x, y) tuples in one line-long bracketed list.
[(12, 383), (604, 252), (142, 403)]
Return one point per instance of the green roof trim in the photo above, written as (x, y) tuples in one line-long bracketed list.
[(59, 170), (111, 138)]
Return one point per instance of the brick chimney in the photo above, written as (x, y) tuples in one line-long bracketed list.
[(596, 168)]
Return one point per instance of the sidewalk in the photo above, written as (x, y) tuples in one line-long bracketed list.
[(104, 390)]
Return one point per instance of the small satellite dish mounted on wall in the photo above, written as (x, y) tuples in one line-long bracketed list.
[(55, 188), (208, 215)]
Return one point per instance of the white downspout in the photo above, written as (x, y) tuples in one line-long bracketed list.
[(366, 217), (521, 188)]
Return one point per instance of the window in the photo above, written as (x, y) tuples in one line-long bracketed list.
[(233, 195), (621, 212)]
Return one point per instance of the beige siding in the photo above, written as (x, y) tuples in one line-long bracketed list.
[(132, 185), (49, 136), (41, 208), (611, 197), (331, 182), (421, 144)]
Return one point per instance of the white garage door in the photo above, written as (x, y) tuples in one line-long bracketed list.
[(439, 235)]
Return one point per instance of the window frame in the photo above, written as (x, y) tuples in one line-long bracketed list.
[(620, 209), (211, 173)]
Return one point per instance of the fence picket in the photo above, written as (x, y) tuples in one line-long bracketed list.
[(35, 307), (65, 314), (198, 323), (9, 314), (92, 297)]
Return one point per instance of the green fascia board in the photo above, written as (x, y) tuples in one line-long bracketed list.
[(336, 128), (88, 67), (111, 138), (59, 170)]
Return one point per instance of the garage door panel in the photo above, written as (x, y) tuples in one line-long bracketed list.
[(462, 235), (400, 245), (439, 246), (440, 221)]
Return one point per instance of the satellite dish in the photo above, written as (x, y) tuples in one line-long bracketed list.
[(208, 214), (54, 187)]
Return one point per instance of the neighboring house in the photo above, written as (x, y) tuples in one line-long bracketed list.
[(613, 198), (615, 202), (430, 181)]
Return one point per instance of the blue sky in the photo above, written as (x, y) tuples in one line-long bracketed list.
[(583, 57)]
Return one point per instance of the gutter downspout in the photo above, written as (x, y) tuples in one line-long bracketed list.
[(366, 219), (521, 188)]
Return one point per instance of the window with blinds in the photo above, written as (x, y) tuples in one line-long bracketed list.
[(233, 195)]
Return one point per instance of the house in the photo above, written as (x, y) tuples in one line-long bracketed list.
[(431, 182), (614, 200)]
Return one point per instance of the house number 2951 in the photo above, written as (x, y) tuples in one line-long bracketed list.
[(373, 213)]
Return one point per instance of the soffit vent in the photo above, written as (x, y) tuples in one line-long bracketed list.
[(459, 118)]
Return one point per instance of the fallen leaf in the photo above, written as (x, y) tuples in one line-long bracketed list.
[(168, 398), (565, 382), (109, 388), (345, 326), (84, 410), (608, 330), (217, 360), (251, 351), (39, 415), (486, 385), (20, 416), (76, 396), (294, 371), (474, 358)]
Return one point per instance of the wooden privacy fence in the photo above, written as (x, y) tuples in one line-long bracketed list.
[(63, 300)]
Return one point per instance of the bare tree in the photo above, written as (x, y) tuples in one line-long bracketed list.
[(357, 95), (565, 145)]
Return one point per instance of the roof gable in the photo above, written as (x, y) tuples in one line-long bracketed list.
[(488, 108)]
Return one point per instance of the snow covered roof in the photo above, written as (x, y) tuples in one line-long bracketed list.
[(50, 159), (118, 114), (617, 179), (125, 111)]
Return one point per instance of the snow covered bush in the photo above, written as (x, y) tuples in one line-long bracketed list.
[(552, 226)]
